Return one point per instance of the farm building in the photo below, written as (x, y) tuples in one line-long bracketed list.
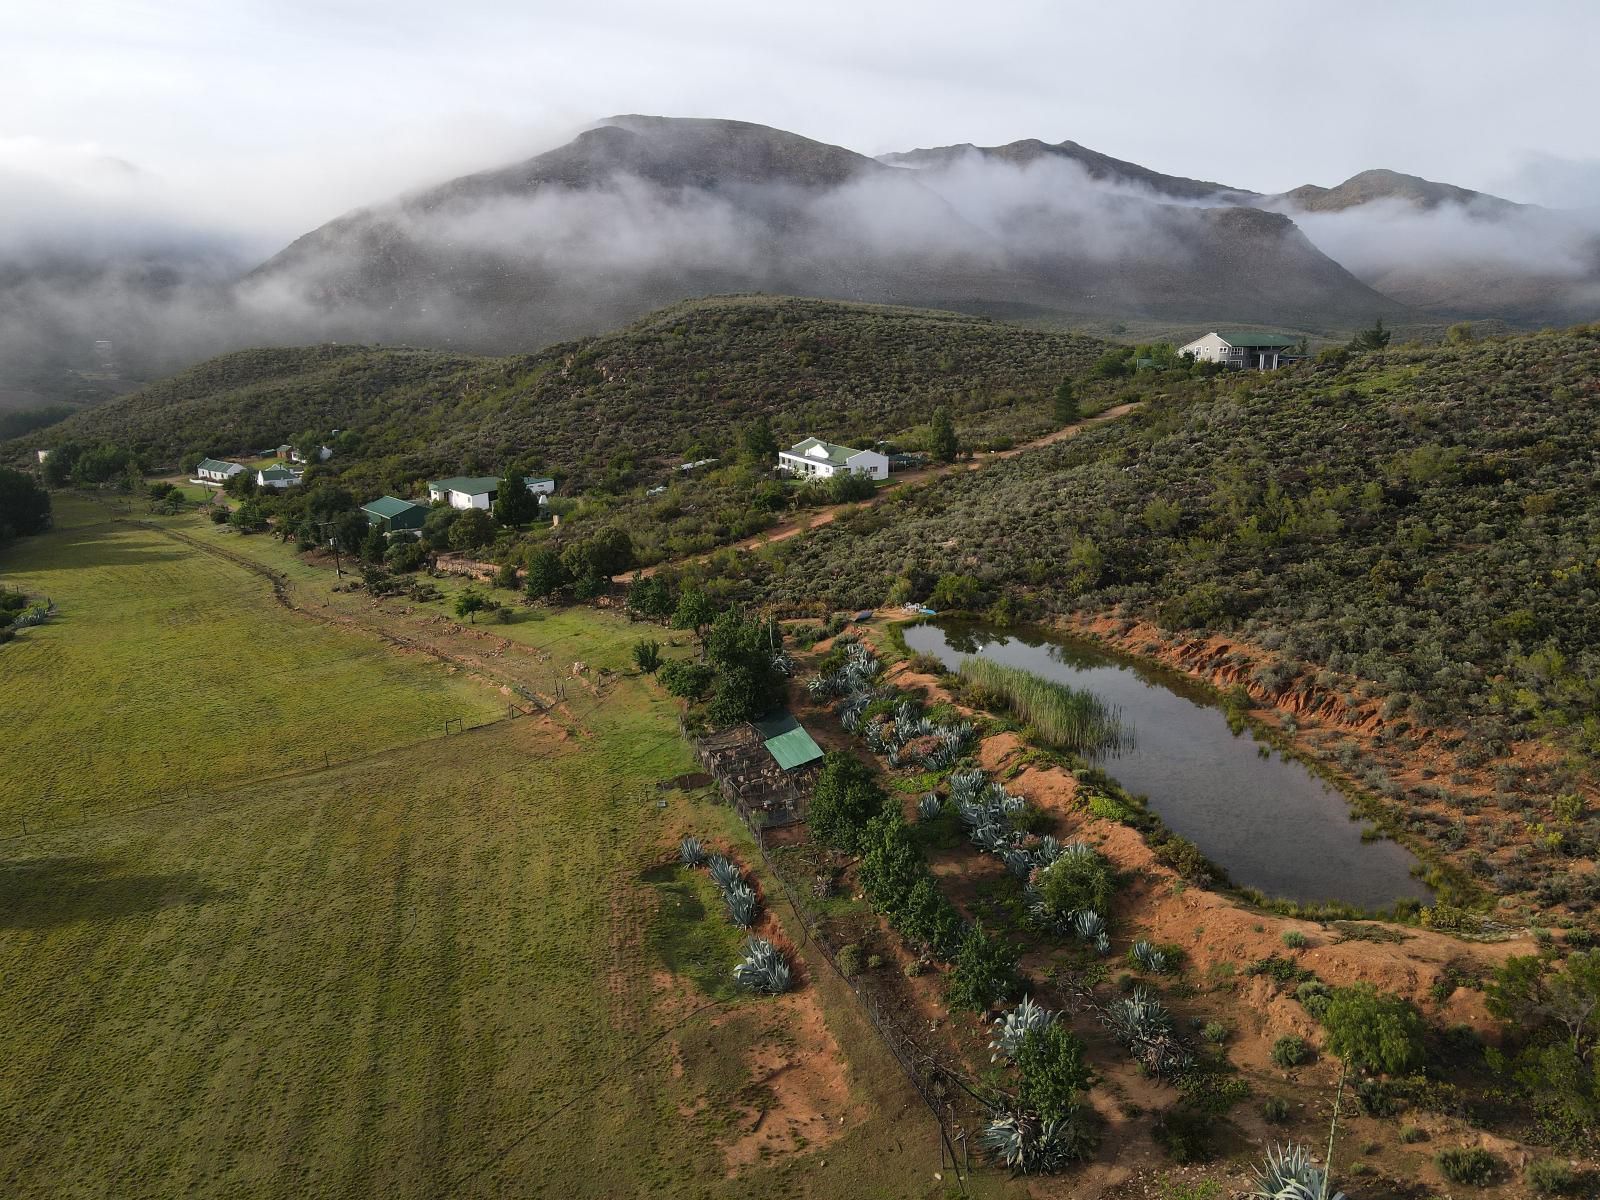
[(479, 491), (1244, 351), (43, 454), (278, 477), (815, 458), (766, 769), (324, 453), (395, 515), (214, 470)]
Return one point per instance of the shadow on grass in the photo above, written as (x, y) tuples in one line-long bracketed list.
[(690, 933), (47, 892)]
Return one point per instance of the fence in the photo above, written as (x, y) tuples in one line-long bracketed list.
[(763, 794), (938, 1083)]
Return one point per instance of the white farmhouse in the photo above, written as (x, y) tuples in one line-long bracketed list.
[(1244, 351), (214, 470), (815, 458), (278, 477), (479, 491)]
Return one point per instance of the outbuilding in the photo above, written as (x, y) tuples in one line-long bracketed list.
[(278, 477), (395, 515), (215, 470)]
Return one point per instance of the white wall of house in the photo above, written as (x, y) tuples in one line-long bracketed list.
[(543, 487), (462, 499), (1210, 348), (869, 462), (814, 464)]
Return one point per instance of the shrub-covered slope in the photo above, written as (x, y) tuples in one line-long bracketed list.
[(1428, 519), (676, 383)]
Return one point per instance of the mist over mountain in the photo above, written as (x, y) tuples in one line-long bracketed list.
[(639, 212)]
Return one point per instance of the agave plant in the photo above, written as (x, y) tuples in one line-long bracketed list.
[(1029, 1144), (1144, 1027), (1288, 1174), (763, 968), (1088, 924), (691, 853), (1013, 1026), (1102, 944), (820, 686), (1046, 852), (991, 839), (741, 902), (725, 872), (967, 786), (1147, 958), (1018, 861), (930, 806)]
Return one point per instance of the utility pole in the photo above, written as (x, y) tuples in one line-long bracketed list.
[(333, 545)]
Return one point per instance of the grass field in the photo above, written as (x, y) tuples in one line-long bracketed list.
[(169, 672), (456, 967)]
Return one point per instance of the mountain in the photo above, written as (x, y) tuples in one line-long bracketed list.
[(677, 383), (1368, 187), (1101, 168), (1453, 252), (644, 211)]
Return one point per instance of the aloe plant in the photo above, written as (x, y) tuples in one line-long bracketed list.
[(1289, 1174), (763, 968), (1147, 958), (930, 806), (1102, 944), (691, 853), (1088, 924), (725, 872), (1011, 1027)]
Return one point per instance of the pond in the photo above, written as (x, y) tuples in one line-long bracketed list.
[(1264, 818)]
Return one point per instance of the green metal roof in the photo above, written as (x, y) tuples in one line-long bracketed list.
[(835, 454), (787, 741), (472, 485), (387, 508), (279, 473), (1258, 339), (216, 464)]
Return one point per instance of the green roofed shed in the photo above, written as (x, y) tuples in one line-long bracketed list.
[(396, 513), (787, 741)]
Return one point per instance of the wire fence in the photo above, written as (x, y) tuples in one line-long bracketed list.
[(952, 1098)]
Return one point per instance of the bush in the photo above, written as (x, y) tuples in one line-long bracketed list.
[(1411, 1134), (1294, 939), (985, 970), (687, 680), (1076, 882), (1050, 1060), (1292, 1050), (1275, 1110), (1374, 1030), (647, 655), (1474, 1166), (848, 960), (845, 798), (1552, 1177), (1187, 1135)]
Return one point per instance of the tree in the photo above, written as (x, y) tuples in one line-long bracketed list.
[(942, 436), (469, 604), (1375, 338), (1554, 1018), (374, 545), (747, 683), (647, 655), (651, 598), (1373, 1030), (546, 575), (1076, 882), (955, 592), (241, 485), (686, 680), (757, 442), (845, 798), (472, 529), (24, 505), (695, 611), (984, 970), (1054, 1074), (891, 865), (349, 530), (514, 504), (1066, 401)]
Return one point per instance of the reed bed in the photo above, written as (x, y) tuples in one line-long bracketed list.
[(1062, 717)]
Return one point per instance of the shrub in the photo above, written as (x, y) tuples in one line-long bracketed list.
[(1077, 882), (1294, 939), (1275, 1110), (1374, 1030), (1186, 1134), (1411, 1134), (1050, 1060), (1473, 1165), (1314, 995), (984, 970), (647, 655), (845, 798), (1552, 1177), (686, 680), (848, 960), (1292, 1050), (1215, 1032)]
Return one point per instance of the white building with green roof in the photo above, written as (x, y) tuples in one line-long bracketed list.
[(278, 477), (1244, 351), (479, 491), (395, 515), (817, 459), (216, 470)]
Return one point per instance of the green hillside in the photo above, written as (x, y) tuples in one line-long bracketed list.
[(675, 384)]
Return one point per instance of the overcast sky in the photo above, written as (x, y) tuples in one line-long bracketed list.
[(275, 115)]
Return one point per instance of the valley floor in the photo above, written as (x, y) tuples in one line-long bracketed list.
[(428, 964)]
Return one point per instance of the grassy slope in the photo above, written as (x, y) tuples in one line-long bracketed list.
[(169, 674), (422, 974), (680, 380)]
